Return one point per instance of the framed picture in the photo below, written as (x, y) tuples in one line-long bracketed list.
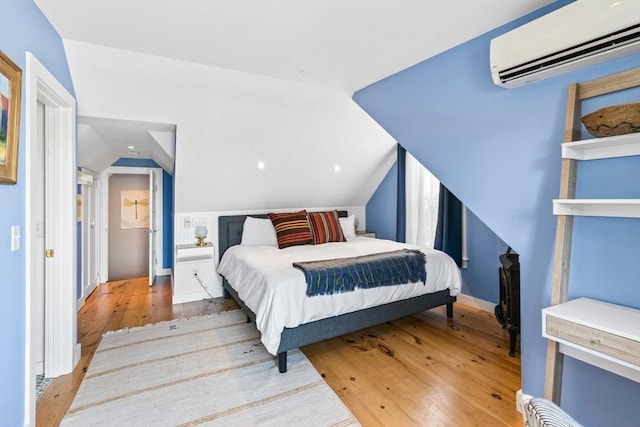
[(10, 94), (79, 207), (134, 209)]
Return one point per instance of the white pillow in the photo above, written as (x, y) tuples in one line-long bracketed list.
[(348, 226), (259, 231)]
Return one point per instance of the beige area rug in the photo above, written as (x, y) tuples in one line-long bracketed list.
[(205, 371)]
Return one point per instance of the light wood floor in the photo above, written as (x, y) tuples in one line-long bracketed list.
[(422, 370)]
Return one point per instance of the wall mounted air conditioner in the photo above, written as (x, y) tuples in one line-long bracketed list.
[(582, 33)]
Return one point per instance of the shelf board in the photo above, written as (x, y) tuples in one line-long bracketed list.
[(603, 148), (192, 252), (611, 318), (620, 208), (603, 334)]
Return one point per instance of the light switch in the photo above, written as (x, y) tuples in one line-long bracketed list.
[(15, 238), (39, 229)]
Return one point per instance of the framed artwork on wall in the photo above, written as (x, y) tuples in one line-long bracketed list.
[(10, 95), (79, 207), (134, 209)]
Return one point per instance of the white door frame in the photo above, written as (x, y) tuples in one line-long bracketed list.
[(153, 226), (103, 235), (89, 242), (62, 351)]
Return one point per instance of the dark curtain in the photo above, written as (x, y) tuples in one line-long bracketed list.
[(401, 205), (449, 228)]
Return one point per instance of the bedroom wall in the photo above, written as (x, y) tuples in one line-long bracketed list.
[(228, 121), (23, 28), (473, 136)]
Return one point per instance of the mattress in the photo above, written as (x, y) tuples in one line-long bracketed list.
[(267, 282)]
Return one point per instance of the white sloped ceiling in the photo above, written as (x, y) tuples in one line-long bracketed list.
[(226, 122)]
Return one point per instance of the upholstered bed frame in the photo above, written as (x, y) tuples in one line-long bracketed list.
[(230, 234)]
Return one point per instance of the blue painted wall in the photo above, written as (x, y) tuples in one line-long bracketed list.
[(381, 208), (22, 28), (167, 205), (480, 278), (474, 136)]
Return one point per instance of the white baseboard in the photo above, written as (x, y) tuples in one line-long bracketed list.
[(520, 398), (476, 303), (80, 303), (77, 354)]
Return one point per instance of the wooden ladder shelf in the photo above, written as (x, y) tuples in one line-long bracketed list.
[(578, 92)]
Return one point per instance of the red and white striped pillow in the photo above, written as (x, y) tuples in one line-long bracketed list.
[(326, 227), (292, 228)]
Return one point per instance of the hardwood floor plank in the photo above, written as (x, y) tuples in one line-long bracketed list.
[(417, 371)]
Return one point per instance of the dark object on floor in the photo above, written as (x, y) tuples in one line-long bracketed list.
[(508, 311)]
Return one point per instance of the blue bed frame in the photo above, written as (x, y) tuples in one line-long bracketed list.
[(230, 234)]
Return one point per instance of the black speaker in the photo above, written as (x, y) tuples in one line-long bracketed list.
[(508, 311)]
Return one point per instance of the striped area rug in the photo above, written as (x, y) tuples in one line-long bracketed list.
[(209, 370)]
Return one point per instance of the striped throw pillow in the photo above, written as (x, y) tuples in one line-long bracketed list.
[(292, 228), (326, 227)]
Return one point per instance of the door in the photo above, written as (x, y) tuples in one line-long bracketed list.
[(37, 240), (50, 224), (89, 211), (153, 193), (94, 247), (50, 234)]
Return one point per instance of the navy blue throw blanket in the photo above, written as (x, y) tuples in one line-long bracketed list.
[(368, 271)]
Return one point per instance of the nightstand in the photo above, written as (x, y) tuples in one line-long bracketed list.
[(195, 270), (365, 233)]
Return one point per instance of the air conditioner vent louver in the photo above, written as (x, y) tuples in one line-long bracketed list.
[(596, 46), (579, 34)]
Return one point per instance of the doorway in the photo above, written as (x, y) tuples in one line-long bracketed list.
[(88, 209), (128, 226), (153, 178), (50, 317)]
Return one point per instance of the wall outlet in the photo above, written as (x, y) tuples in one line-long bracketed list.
[(187, 222), (195, 272), (198, 222)]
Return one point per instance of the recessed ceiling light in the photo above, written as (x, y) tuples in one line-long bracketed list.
[(131, 147), (261, 165), (336, 168), (306, 73)]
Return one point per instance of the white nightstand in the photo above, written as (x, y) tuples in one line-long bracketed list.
[(365, 234), (195, 265)]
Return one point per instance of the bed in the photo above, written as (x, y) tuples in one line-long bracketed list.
[(292, 319)]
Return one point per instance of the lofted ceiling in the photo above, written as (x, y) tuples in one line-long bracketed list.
[(339, 44)]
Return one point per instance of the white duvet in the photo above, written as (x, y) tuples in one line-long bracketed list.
[(275, 291)]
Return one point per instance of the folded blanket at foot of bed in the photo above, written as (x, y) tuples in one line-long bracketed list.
[(332, 276)]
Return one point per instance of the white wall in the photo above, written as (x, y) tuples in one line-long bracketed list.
[(228, 121)]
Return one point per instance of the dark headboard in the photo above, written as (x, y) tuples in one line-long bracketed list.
[(230, 229)]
